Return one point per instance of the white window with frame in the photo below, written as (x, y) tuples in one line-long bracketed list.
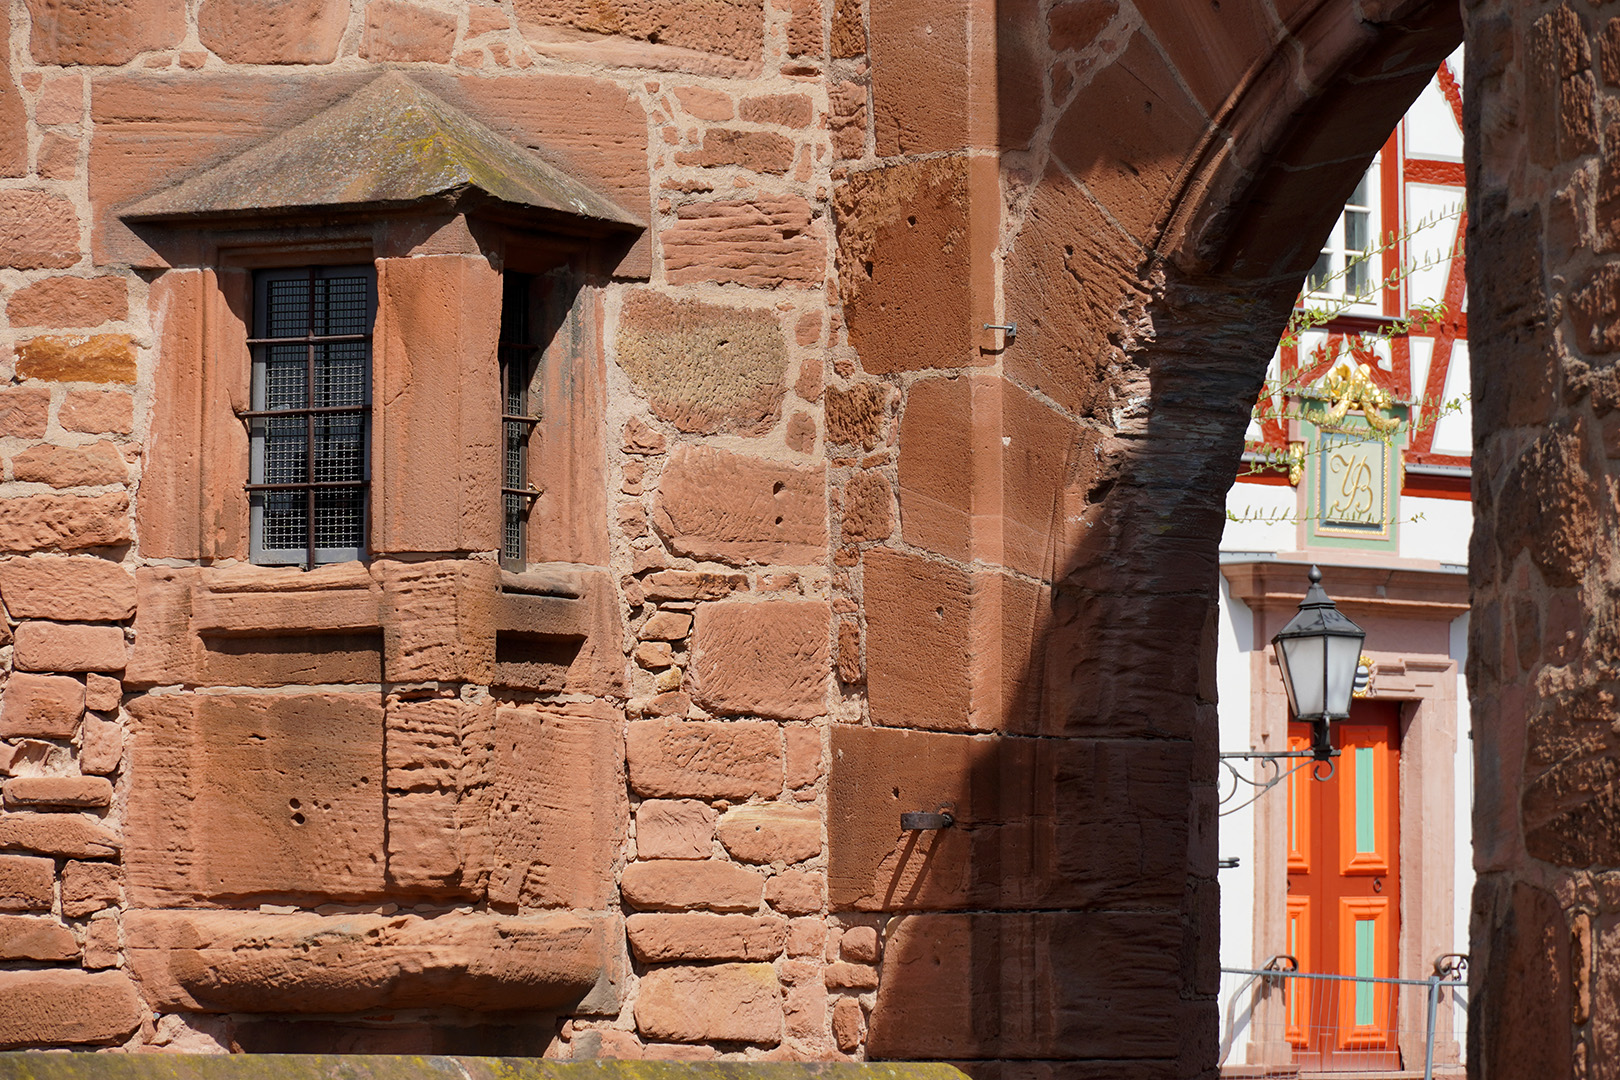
[(310, 417), (1347, 272)]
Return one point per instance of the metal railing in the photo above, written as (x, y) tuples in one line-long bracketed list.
[(1293, 1022)]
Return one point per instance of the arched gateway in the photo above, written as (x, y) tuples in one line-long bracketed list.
[(507, 505)]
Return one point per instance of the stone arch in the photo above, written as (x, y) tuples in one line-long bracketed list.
[(1073, 533)]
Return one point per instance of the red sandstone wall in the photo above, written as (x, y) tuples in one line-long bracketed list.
[(1546, 929), (840, 551)]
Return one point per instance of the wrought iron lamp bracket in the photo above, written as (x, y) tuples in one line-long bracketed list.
[(1269, 759)]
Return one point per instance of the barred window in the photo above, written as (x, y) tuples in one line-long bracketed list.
[(518, 351), (309, 424)]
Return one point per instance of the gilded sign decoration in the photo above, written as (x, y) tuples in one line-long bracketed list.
[(1353, 388)]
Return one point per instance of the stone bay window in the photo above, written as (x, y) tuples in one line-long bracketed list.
[(374, 329)]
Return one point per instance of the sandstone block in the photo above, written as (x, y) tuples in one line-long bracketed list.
[(946, 979), (847, 118), (75, 792), (71, 466), (857, 416), (804, 28), (38, 231), (64, 302), (51, 646), (848, 1024), (704, 104), (58, 156), (770, 242), (725, 1002), (87, 887), (486, 19), (45, 706), (23, 411), (658, 939), (1073, 24), (75, 589), (705, 368), (101, 746), (800, 434), (859, 945), (803, 756), (67, 1008), (681, 885), (654, 655), (27, 883), (784, 110), (919, 651), (845, 976), (98, 412), (757, 151), (795, 892), (95, 358), (692, 585), (263, 793), (641, 437), (101, 944), (61, 101), (437, 392), (850, 669), (399, 31), (32, 937), (899, 317), (63, 522), (771, 833), (241, 961), (666, 626), (72, 836), (768, 659), (280, 32), (704, 759), (806, 937), (868, 508), (69, 32), (732, 30), (714, 504), (103, 693), (563, 815), (674, 829)]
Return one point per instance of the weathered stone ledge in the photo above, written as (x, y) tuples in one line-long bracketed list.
[(21, 1066)]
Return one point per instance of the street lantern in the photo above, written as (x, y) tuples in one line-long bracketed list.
[(1318, 652)]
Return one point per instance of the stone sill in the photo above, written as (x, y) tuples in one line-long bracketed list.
[(15, 1066)]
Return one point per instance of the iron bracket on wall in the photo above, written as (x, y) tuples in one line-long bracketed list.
[(1269, 759)]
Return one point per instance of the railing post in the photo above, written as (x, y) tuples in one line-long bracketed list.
[(1434, 1003)]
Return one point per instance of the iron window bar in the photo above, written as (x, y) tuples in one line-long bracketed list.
[(517, 352), (300, 486), (314, 410), (311, 339), (314, 449)]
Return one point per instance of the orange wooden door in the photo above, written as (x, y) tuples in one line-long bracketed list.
[(1344, 892)]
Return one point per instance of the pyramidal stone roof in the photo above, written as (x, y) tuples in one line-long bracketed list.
[(389, 144)]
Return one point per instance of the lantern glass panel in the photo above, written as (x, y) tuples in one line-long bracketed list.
[(1303, 659), (1343, 653)]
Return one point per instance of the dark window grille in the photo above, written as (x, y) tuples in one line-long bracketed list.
[(518, 351), (309, 425)]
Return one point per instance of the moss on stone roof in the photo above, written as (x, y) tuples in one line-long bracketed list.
[(390, 144)]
